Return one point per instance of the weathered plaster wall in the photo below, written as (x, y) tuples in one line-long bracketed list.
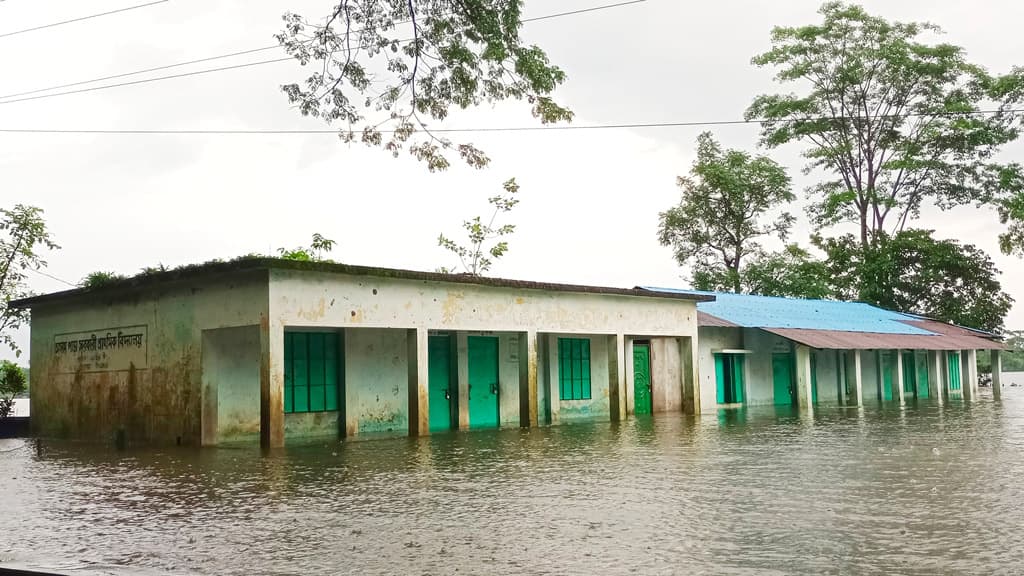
[(759, 374), (76, 396), (231, 384), (666, 385), (715, 338), (598, 407), (376, 381), (323, 299)]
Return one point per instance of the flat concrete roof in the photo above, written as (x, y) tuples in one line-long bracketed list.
[(241, 265)]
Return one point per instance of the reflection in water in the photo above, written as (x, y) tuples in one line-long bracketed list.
[(914, 490)]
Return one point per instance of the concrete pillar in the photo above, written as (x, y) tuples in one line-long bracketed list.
[(804, 393), (419, 397), (271, 384), (617, 376), (965, 375), (997, 375), (554, 384), (936, 390), (897, 381), (858, 379), (841, 377), (630, 374), (462, 377), (688, 375), (528, 378), (972, 371)]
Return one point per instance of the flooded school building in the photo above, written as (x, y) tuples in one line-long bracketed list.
[(274, 351)]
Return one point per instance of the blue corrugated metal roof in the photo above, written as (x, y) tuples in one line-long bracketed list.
[(775, 312)]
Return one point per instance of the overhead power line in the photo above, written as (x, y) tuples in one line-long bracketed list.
[(552, 128), (51, 276), (26, 93), (91, 16)]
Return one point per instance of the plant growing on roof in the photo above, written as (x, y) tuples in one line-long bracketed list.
[(387, 69), (100, 278), (720, 219), (316, 251), (475, 257), (896, 121), (12, 385), (23, 234)]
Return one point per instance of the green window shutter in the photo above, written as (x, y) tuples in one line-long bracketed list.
[(720, 378), (585, 344), (289, 373), (316, 372), (331, 352), (300, 350), (564, 382), (737, 370)]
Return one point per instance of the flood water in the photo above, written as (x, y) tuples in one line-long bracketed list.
[(883, 490)]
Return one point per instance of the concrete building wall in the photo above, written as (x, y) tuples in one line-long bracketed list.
[(376, 381), (759, 372), (714, 338), (666, 387), (231, 384), (144, 387), (598, 407)]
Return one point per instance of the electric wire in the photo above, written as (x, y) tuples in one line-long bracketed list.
[(91, 16), (14, 97), (550, 128)]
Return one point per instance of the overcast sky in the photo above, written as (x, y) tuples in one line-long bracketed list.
[(589, 199)]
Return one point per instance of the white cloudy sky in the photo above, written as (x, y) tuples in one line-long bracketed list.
[(590, 199)]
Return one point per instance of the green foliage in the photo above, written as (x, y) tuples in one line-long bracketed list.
[(23, 234), (893, 118), (318, 248), (101, 278), (913, 272), (792, 273), (12, 384), (718, 221), (474, 257), (1012, 359), (386, 81)]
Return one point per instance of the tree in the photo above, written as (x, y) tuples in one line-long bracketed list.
[(23, 234), (318, 248), (474, 257), (12, 385), (718, 221), (393, 66), (898, 121), (913, 272)]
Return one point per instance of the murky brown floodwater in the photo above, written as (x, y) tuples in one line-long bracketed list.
[(921, 490)]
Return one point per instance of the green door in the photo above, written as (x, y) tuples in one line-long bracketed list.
[(954, 370), (642, 379), (441, 395), (909, 375), (483, 381), (886, 365), (922, 375), (814, 377), (729, 378), (782, 376)]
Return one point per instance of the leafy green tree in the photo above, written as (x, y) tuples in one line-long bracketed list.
[(895, 119), (387, 69), (316, 251), (913, 272), (23, 234), (474, 257), (792, 272), (720, 218), (12, 385)]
